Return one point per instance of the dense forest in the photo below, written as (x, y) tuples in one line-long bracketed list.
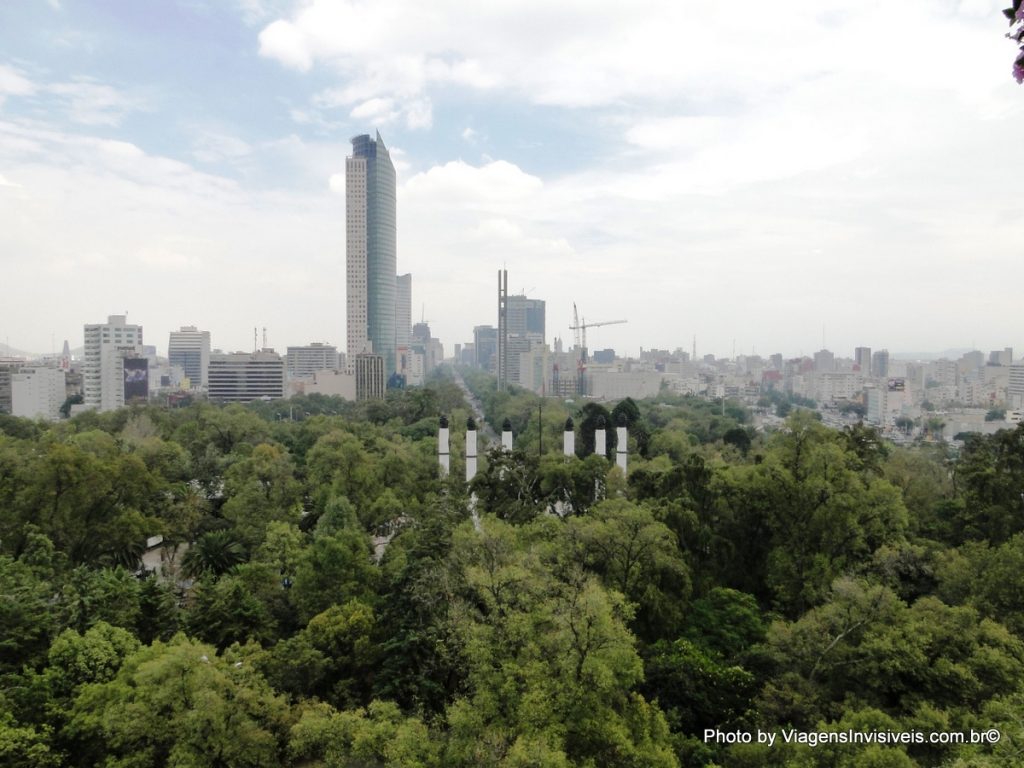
[(326, 598)]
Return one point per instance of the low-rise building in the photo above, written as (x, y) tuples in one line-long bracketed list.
[(37, 393), (242, 377)]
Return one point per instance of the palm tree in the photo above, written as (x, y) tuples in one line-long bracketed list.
[(215, 553)]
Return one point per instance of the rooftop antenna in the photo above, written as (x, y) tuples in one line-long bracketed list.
[(264, 337), (254, 341)]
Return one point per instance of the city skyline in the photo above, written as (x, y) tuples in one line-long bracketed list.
[(187, 167)]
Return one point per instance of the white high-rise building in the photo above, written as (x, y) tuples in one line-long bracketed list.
[(371, 251), (107, 345), (189, 349), (1015, 386), (37, 393)]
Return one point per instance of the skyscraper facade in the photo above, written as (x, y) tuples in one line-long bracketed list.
[(880, 364), (189, 349), (526, 317), (403, 310), (862, 356), (371, 250)]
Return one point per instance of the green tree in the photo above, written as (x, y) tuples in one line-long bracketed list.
[(990, 474), (335, 568), (725, 622), (867, 644), (214, 553), (376, 737), (697, 689), (638, 557), (551, 666), (261, 489), (823, 506), (180, 703), (333, 658), (508, 485), (421, 666), (89, 596), (26, 615), (25, 746), (226, 611)]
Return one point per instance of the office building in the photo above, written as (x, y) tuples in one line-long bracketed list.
[(242, 377), (485, 346), (880, 364), (37, 393), (824, 361), (526, 317), (1001, 356), (303, 362), (8, 365), (370, 379), (189, 349), (862, 356), (403, 310), (410, 366), (106, 376), (426, 345), (331, 384), (371, 250), (1015, 386)]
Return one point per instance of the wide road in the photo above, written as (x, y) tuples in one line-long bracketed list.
[(484, 429)]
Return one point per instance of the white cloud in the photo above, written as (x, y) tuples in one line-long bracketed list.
[(92, 103), (419, 114), (214, 147), (14, 83), (580, 54), (169, 258), (5, 183), (283, 42), (735, 177), (459, 183), (104, 223), (376, 111)]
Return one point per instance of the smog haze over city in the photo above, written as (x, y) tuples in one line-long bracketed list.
[(771, 177)]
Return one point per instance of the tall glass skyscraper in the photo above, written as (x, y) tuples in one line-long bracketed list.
[(371, 250)]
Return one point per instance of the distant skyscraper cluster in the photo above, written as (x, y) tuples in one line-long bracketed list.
[(385, 348)]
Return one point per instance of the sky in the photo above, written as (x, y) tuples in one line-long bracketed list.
[(763, 177)]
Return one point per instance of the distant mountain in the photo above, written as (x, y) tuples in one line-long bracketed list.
[(6, 351)]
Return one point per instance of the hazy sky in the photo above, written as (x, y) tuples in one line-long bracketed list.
[(753, 174)]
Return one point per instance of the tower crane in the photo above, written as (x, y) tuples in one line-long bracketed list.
[(580, 327)]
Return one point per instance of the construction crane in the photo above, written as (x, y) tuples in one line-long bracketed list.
[(580, 328)]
